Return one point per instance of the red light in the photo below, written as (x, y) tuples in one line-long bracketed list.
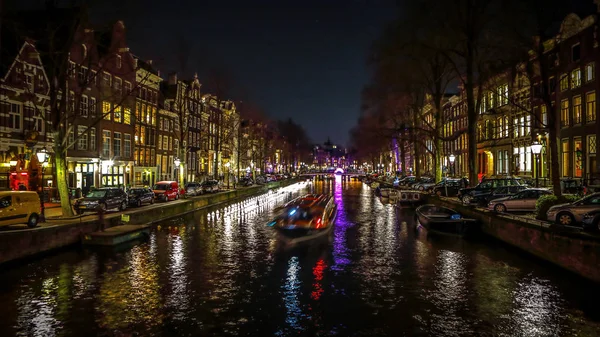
[(13, 174), (318, 270), (23, 173), (319, 223)]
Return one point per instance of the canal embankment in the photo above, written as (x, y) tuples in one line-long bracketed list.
[(566, 247), (28, 242)]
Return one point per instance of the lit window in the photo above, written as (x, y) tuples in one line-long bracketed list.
[(106, 110), (576, 78), (118, 114), (564, 82), (106, 143), (564, 113), (127, 116), (590, 108), (577, 110), (589, 72), (565, 158)]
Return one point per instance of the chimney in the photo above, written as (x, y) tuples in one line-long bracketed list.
[(172, 78)]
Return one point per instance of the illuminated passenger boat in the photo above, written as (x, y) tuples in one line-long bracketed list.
[(306, 218)]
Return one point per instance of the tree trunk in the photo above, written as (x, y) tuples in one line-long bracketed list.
[(472, 128), (60, 165), (417, 156), (553, 142), (403, 159), (182, 165), (438, 160)]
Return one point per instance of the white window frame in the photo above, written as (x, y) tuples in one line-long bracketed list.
[(82, 140)]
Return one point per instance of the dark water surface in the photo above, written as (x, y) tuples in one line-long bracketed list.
[(223, 273)]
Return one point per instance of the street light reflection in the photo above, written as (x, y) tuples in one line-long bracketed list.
[(538, 309), (291, 292)]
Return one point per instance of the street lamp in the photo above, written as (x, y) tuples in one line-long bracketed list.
[(536, 148), (177, 162), (452, 158), (42, 157), (227, 164)]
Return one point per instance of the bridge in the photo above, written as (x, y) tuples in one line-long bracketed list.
[(338, 171)]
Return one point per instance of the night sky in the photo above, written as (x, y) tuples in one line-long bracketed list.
[(300, 59)]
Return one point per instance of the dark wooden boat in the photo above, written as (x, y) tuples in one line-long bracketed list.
[(305, 218), (438, 219)]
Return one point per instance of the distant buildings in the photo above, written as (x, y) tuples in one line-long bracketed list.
[(329, 155)]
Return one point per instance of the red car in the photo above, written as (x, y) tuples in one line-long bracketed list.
[(166, 190)]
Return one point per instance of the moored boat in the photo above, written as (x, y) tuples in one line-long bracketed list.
[(410, 198), (306, 218), (389, 193), (444, 220)]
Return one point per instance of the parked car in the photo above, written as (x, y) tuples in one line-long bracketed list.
[(407, 180), (572, 213), (524, 200), (166, 190), (18, 207), (451, 190), (486, 187), (102, 199), (423, 183), (591, 220), (210, 186), (571, 186), (245, 181), (193, 189), (500, 192), (139, 195)]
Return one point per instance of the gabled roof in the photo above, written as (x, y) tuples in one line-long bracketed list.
[(146, 66)]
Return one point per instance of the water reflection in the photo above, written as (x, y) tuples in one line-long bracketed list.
[(44, 304), (340, 251), (217, 273), (129, 295), (318, 270), (538, 309), (450, 295), (178, 300), (291, 294)]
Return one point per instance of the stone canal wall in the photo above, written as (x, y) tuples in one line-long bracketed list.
[(568, 248), (23, 243)]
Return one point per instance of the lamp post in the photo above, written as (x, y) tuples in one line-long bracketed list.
[(42, 157), (452, 158), (177, 162), (536, 148), (227, 164)]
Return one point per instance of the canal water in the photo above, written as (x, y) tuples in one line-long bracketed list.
[(221, 272)]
